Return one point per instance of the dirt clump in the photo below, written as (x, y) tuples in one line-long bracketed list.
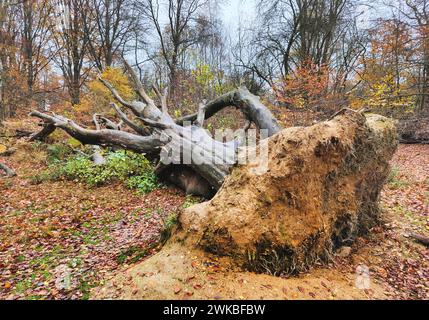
[(320, 191)]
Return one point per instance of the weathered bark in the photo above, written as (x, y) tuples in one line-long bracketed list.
[(9, 172), (48, 128)]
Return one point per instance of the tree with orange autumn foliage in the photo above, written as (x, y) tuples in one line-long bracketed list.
[(308, 86), (385, 73)]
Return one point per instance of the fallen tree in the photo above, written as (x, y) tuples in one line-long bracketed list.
[(319, 192), (187, 155), (279, 206)]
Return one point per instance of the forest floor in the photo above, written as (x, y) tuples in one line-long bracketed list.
[(59, 240)]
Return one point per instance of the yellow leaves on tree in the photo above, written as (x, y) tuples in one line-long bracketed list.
[(98, 97), (198, 84)]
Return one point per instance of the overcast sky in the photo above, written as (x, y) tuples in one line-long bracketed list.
[(234, 10)]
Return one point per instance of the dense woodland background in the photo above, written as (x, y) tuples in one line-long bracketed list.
[(304, 55)]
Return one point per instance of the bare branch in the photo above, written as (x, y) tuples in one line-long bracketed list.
[(95, 120), (162, 98), (138, 87), (115, 93), (200, 115), (248, 103), (128, 122), (105, 137), (110, 124)]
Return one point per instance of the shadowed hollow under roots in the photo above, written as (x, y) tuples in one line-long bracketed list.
[(320, 191)]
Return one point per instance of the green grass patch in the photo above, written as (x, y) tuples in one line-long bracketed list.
[(395, 181), (169, 223), (191, 200), (134, 254)]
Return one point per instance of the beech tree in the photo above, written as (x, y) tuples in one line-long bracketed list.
[(187, 155)]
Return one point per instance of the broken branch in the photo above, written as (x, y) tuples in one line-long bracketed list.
[(9, 172)]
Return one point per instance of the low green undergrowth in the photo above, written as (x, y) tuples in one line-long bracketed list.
[(131, 168)]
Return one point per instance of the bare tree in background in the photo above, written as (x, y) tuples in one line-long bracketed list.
[(71, 45), (293, 33), (8, 35), (109, 25), (36, 20), (417, 11), (176, 35)]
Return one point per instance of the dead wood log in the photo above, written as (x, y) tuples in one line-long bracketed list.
[(48, 128), (20, 133), (9, 172), (420, 238), (184, 148)]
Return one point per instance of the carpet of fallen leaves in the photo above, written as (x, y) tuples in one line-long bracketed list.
[(405, 202), (60, 239)]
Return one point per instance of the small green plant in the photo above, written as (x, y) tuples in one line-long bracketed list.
[(190, 201), (144, 183), (57, 152), (51, 174)]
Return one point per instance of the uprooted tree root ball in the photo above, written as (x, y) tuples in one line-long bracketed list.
[(320, 191)]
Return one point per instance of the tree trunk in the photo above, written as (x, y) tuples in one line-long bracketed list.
[(183, 147)]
